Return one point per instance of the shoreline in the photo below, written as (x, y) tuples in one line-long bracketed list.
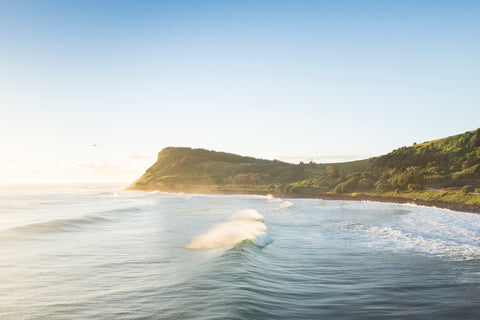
[(454, 206)]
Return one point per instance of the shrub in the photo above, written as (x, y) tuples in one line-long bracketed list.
[(413, 187), (383, 186), (468, 189), (467, 164), (401, 179), (348, 186), (475, 142)]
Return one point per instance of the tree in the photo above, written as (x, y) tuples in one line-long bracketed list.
[(332, 171)]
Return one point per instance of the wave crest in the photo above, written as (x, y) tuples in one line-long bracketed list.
[(244, 225)]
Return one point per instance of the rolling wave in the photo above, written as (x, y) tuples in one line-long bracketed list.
[(62, 225), (57, 225), (245, 225)]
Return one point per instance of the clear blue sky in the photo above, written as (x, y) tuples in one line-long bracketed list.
[(291, 80)]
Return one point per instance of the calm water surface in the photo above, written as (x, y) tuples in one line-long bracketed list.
[(78, 252)]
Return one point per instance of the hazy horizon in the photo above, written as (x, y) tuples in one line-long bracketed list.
[(290, 80)]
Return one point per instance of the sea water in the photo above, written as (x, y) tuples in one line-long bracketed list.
[(97, 252)]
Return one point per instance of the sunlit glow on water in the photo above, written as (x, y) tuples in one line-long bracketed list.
[(103, 253)]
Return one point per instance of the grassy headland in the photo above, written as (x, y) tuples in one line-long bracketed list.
[(443, 173)]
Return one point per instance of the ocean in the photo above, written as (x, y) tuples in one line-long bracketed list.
[(97, 252)]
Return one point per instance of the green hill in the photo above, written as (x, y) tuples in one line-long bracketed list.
[(445, 170), (190, 170)]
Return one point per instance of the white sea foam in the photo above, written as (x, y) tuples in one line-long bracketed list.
[(394, 240), (271, 198), (262, 239), (247, 214), (285, 204), (432, 232), (409, 229), (244, 225)]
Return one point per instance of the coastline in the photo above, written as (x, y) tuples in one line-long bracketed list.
[(454, 206)]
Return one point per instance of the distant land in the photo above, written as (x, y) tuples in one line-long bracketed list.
[(443, 173)]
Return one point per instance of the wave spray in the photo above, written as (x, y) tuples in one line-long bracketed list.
[(244, 225)]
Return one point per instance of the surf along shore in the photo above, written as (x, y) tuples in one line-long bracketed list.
[(455, 206)]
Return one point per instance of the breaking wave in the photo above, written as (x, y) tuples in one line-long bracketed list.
[(271, 198), (244, 225), (283, 203)]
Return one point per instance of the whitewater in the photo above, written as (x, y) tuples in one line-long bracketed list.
[(96, 251)]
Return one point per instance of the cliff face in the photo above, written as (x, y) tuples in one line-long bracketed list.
[(441, 170)]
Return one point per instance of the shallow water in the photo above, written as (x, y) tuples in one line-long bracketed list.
[(76, 252)]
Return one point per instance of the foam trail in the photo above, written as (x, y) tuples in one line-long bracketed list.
[(245, 225)]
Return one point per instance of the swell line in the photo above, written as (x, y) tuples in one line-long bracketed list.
[(62, 225)]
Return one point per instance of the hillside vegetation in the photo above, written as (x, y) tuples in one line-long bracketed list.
[(442, 170)]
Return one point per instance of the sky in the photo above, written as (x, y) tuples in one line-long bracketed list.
[(327, 81)]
